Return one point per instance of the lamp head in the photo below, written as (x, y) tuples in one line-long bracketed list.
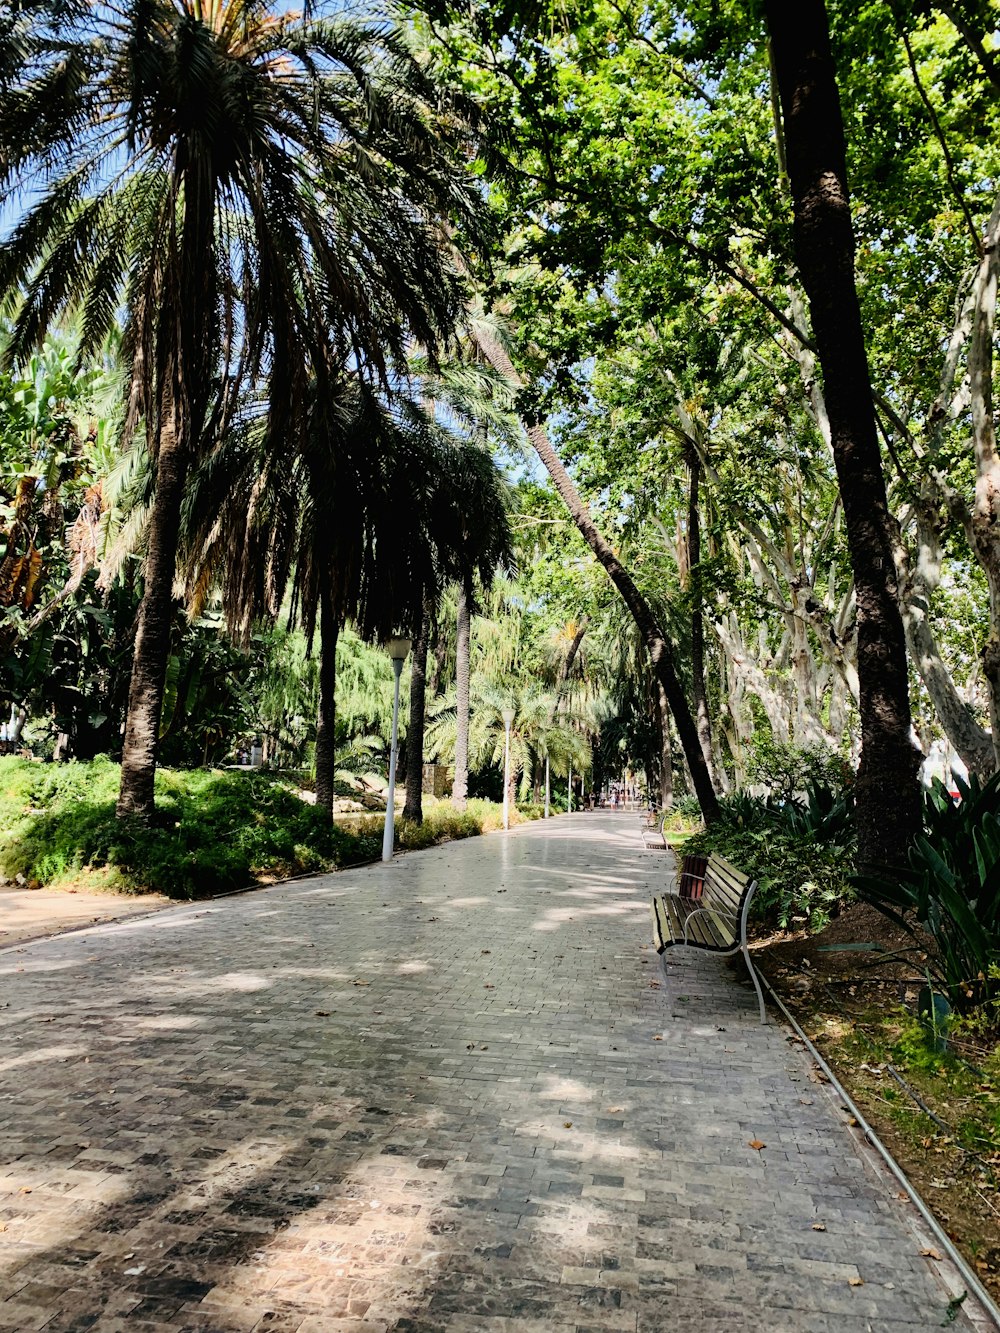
[(397, 649), (508, 716)]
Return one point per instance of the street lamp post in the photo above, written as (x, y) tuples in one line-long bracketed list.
[(548, 788), (508, 717), (569, 792), (397, 650)]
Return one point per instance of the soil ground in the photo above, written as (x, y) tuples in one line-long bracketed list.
[(30, 914)]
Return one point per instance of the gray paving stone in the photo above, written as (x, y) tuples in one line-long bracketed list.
[(454, 1093)]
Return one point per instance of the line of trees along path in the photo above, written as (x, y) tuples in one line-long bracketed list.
[(763, 396)]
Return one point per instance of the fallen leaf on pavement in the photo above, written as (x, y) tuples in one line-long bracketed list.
[(756, 1144)]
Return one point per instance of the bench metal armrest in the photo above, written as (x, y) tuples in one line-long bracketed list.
[(707, 911)]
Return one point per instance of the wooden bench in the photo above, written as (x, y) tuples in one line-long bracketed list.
[(652, 829), (714, 918)]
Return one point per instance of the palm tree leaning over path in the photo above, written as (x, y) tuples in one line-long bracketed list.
[(239, 180)]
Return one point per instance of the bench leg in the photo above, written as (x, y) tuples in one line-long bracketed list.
[(756, 984)]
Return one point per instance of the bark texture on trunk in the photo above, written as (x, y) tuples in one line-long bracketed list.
[(152, 639), (460, 786), (985, 519), (414, 808), (180, 393), (666, 757), (704, 722), (888, 792), (326, 718), (918, 576), (659, 647)]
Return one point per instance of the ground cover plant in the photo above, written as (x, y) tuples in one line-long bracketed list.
[(218, 830)]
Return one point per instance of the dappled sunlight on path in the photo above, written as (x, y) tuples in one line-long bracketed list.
[(451, 1093)]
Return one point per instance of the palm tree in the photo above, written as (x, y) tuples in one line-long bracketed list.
[(239, 180), (369, 509), (479, 402), (536, 731)]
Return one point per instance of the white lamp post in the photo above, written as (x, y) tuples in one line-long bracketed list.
[(569, 792), (397, 650), (547, 787), (508, 717)]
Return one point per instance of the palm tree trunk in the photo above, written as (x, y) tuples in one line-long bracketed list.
[(659, 647), (413, 809), (152, 639), (887, 792), (326, 741), (460, 787)]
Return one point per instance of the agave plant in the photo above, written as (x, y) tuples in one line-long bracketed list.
[(825, 815), (951, 888)]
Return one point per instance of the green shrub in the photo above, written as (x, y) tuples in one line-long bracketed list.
[(799, 853), (217, 831), (787, 769), (825, 814)]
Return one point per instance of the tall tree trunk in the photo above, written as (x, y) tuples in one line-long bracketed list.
[(460, 786), (985, 518), (326, 718), (704, 722), (152, 640), (565, 667), (918, 576), (660, 650), (887, 792), (413, 809), (666, 755)]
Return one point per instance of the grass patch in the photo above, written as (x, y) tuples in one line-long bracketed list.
[(219, 830)]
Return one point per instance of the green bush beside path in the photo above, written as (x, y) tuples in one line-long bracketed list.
[(219, 830)]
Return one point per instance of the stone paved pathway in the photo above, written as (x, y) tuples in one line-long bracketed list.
[(453, 1093)]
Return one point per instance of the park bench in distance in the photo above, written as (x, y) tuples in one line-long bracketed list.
[(653, 836), (714, 918)]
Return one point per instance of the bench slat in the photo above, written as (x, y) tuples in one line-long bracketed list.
[(707, 929), (727, 868)]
